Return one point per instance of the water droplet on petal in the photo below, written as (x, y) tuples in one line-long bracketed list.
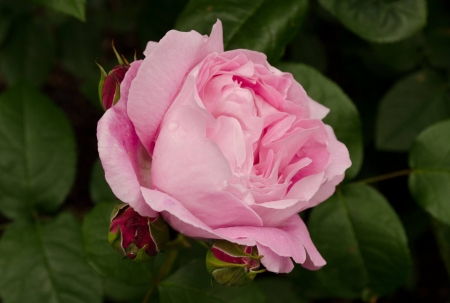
[(225, 184), (182, 134), (173, 126)]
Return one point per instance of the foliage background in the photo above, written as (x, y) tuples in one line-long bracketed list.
[(383, 68)]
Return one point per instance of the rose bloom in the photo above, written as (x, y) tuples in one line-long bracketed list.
[(223, 145)]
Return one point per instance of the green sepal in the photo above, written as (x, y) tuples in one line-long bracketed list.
[(234, 250), (103, 75), (212, 263), (140, 253), (159, 232), (233, 276), (117, 208), (115, 239), (119, 59), (116, 93)]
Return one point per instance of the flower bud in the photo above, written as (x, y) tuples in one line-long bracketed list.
[(109, 86), (137, 237), (233, 264)]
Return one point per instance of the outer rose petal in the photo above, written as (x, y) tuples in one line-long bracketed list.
[(124, 159), (274, 262), (161, 75), (288, 240), (182, 219)]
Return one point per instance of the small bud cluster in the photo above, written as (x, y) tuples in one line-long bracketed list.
[(138, 238), (233, 264)]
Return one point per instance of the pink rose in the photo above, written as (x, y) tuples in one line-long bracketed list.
[(224, 145)]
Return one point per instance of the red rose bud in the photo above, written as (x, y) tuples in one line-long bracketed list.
[(233, 264), (109, 85), (137, 237)]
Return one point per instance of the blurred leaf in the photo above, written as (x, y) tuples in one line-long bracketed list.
[(192, 283), (343, 116), (442, 233), (5, 24), (104, 258), (124, 293), (261, 25), (158, 17), (379, 21), (363, 241), (99, 190), (412, 104), (28, 55), (392, 59), (430, 181), (81, 45), (75, 8), (45, 263), (278, 289), (437, 34), (307, 48), (37, 152)]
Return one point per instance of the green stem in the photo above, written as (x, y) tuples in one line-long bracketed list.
[(163, 271), (386, 176)]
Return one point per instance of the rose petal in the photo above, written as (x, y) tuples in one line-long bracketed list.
[(274, 262), (161, 75), (182, 219), (124, 159), (193, 170)]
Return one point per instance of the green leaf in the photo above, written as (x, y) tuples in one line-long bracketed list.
[(278, 289), (430, 181), (104, 258), (437, 34), (28, 55), (260, 25), (379, 20), (343, 116), (192, 283), (78, 60), (37, 152), (99, 190), (75, 8), (442, 234), (412, 104), (363, 241), (5, 24), (45, 263), (124, 293)]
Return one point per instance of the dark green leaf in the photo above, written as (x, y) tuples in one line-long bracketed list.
[(278, 289), (192, 283), (124, 293), (104, 258), (412, 104), (45, 263), (393, 59), (430, 181), (261, 25), (5, 24), (442, 233), (28, 55), (363, 241), (75, 8), (37, 152), (437, 33), (158, 17), (343, 116), (379, 20), (98, 188)]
